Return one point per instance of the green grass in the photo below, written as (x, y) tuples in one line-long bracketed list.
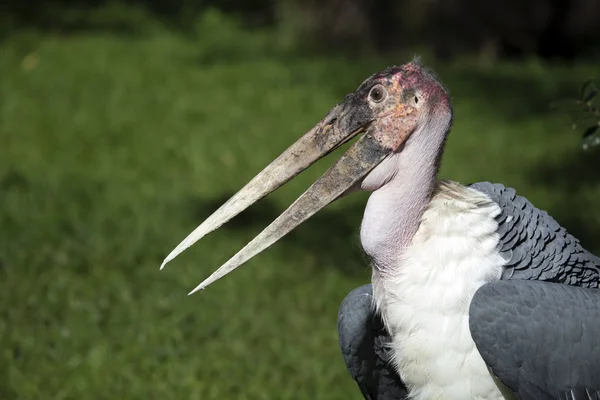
[(113, 148)]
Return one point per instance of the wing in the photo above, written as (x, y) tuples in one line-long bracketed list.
[(540, 338), (363, 341), (535, 245)]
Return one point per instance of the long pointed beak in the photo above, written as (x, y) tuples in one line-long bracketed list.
[(338, 127), (357, 162), (316, 143)]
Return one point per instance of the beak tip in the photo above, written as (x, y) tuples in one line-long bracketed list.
[(176, 251), (197, 289), (215, 276), (166, 261)]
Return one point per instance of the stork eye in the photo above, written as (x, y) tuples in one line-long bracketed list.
[(377, 93)]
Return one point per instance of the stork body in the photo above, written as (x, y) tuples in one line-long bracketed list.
[(441, 254), (424, 298), (492, 299)]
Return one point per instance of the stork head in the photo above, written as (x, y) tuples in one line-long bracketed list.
[(385, 111)]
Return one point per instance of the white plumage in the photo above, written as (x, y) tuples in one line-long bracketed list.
[(425, 300)]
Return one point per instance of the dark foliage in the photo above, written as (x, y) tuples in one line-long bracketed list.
[(585, 114), (504, 28)]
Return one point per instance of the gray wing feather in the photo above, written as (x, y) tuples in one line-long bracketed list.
[(541, 339), (535, 245), (364, 344)]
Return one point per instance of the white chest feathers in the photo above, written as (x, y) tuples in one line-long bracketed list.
[(425, 300)]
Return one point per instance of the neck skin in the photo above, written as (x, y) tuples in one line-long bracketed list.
[(403, 185)]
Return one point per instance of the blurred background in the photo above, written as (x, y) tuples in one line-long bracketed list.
[(124, 123)]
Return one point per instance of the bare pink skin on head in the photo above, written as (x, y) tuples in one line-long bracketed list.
[(403, 183), (398, 117)]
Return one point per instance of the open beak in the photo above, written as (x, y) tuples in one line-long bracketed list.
[(340, 125)]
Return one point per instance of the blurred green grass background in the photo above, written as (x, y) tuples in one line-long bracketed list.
[(114, 146)]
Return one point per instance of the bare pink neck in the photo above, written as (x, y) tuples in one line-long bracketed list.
[(393, 213)]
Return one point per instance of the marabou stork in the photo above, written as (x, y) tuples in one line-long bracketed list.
[(476, 294)]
